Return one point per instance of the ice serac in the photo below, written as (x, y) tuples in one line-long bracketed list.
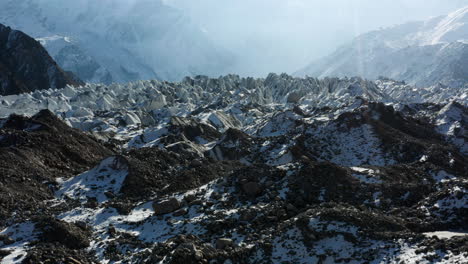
[(421, 53), (137, 40), (25, 66), (235, 170)]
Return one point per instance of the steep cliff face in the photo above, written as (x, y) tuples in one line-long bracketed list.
[(26, 66)]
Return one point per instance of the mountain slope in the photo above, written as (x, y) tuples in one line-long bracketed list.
[(420, 53), (25, 66), (136, 40), (239, 170), (34, 151)]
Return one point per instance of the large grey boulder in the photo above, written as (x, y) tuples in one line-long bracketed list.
[(166, 206)]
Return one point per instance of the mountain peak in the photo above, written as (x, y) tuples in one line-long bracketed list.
[(420, 53), (452, 28)]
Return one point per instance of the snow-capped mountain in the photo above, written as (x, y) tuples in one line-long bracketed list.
[(136, 40), (235, 170), (421, 53), (229, 169)]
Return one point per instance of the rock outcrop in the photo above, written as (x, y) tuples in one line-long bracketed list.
[(34, 153), (25, 65)]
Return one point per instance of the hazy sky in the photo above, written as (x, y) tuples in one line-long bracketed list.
[(285, 35)]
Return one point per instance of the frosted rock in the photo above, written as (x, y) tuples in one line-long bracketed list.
[(159, 101), (132, 119), (80, 112), (223, 121), (167, 206), (222, 243)]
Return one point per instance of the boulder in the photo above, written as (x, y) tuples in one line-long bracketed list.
[(68, 234), (8, 241), (247, 215), (180, 212), (251, 188), (190, 198), (223, 243), (166, 206)]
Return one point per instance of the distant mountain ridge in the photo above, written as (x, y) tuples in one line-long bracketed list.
[(118, 41), (25, 66), (421, 53)]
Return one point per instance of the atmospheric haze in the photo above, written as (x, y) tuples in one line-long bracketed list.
[(285, 35), (170, 39)]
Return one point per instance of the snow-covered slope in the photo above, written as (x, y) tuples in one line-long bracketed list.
[(421, 53), (136, 40), (235, 170)]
